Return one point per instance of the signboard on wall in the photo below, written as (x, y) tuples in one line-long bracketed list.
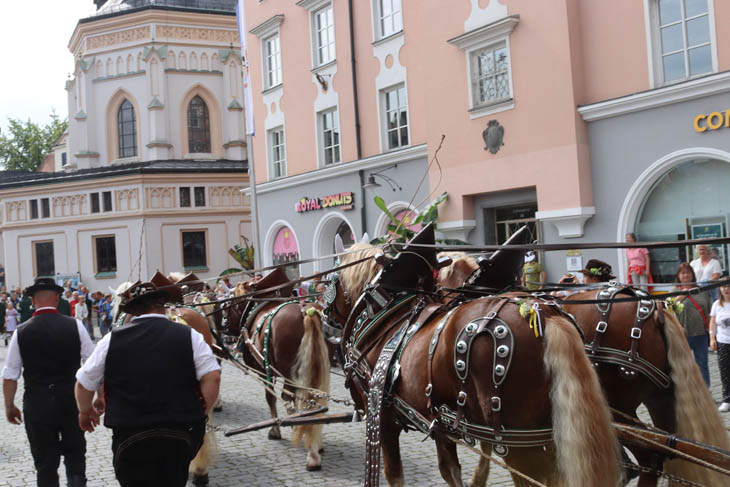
[(343, 201), (71, 279), (574, 260)]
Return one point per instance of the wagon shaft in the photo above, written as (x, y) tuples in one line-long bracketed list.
[(662, 443)]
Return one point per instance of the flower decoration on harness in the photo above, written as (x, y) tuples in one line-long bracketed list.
[(530, 313), (675, 306)]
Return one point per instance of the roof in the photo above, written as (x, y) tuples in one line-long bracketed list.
[(15, 179), (117, 7)]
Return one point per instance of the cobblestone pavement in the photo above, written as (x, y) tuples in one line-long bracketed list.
[(251, 459)]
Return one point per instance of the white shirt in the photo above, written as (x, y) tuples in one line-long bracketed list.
[(722, 319), (91, 374), (14, 362), (705, 273), (81, 312)]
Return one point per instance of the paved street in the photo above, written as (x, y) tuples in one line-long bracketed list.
[(253, 460)]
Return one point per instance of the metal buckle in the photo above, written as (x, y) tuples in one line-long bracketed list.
[(636, 333), (461, 399), (601, 327), (429, 389), (496, 403), (490, 315)]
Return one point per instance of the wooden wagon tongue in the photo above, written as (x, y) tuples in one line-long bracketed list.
[(502, 269)]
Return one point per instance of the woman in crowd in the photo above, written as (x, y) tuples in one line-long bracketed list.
[(694, 317), (720, 341), (637, 262), (706, 267), (12, 318)]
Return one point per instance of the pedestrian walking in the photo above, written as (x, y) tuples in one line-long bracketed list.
[(48, 349), (694, 317), (720, 341), (153, 392)]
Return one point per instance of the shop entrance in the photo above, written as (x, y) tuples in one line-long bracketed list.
[(509, 219)]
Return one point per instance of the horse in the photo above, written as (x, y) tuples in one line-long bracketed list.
[(661, 373), (284, 338), (186, 316), (665, 377), (535, 398)]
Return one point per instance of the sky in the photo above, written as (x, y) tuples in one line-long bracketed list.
[(35, 60)]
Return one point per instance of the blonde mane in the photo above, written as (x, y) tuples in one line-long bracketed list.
[(117, 298), (456, 257), (175, 276), (355, 278)]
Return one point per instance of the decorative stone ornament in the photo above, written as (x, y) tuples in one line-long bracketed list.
[(493, 136)]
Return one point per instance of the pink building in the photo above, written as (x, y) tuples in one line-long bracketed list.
[(349, 92)]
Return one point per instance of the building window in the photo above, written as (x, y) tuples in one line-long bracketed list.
[(272, 55), (33, 209), (107, 200), (43, 259), (396, 117), (490, 75), (185, 197), (390, 17), (106, 254), (194, 249), (199, 193), (277, 153), (324, 35), (683, 39), (198, 126), (127, 129), (329, 127), (95, 203), (686, 202), (45, 208), (64, 159)]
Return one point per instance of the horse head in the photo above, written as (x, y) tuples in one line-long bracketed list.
[(117, 299), (455, 274)]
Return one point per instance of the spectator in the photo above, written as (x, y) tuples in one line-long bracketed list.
[(720, 341), (706, 268), (694, 317), (82, 314), (24, 307), (533, 274), (2, 275), (63, 304), (12, 319), (14, 297), (638, 263), (105, 315), (74, 301)]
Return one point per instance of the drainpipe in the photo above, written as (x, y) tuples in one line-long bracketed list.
[(358, 144)]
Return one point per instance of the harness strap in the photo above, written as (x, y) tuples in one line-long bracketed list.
[(432, 350), (605, 310), (644, 310)]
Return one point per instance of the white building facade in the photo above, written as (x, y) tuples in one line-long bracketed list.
[(155, 157)]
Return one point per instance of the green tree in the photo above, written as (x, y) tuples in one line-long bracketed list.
[(24, 145)]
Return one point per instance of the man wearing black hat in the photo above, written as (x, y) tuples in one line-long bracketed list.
[(160, 380), (48, 349)]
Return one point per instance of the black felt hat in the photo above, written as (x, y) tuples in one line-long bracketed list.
[(43, 284), (140, 293)]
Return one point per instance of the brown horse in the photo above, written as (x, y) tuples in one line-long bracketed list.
[(285, 338), (536, 398), (677, 398), (192, 318)]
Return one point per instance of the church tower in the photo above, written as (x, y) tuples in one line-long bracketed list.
[(156, 80)]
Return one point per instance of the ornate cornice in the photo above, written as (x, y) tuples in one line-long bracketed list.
[(119, 37)]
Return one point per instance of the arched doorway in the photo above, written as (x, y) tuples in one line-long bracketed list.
[(689, 199), (331, 224), (285, 248)]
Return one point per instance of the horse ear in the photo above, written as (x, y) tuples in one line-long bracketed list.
[(365, 238), (339, 246)]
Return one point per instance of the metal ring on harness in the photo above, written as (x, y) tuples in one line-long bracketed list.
[(601, 327), (636, 333)]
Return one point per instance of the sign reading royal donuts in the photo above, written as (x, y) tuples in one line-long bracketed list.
[(343, 201)]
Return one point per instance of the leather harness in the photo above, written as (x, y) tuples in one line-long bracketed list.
[(630, 362)]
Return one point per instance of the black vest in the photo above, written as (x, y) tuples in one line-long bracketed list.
[(149, 376), (51, 351)]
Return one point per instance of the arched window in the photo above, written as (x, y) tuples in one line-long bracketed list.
[(127, 130), (198, 126)]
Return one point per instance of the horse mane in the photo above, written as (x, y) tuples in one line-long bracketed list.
[(354, 278), (117, 300), (457, 259), (175, 276)]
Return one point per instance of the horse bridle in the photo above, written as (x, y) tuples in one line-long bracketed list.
[(331, 309)]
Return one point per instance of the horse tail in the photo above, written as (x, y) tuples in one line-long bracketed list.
[(311, 369), (697, 417), (586, 443)]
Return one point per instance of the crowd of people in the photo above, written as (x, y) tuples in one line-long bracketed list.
[(93, 309)]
